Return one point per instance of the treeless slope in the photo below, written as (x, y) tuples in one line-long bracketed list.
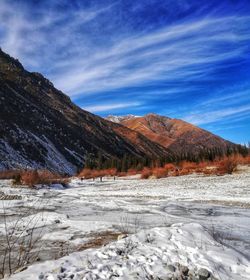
[(175, 134)]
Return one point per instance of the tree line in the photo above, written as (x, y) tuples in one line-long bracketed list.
[(127, 162)]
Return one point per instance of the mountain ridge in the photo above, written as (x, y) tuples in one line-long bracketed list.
[(175, 134), (41, 128)]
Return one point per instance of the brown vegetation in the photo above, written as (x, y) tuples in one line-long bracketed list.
[(146, 173), (32, 177), (220, 166), (88, 173)]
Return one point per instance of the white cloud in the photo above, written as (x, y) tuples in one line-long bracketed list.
[(187, 51), (112, 106), (200, 117)]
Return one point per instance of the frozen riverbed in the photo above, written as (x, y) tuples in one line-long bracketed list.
[(72, 217)]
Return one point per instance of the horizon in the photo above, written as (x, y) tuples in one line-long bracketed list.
[(179, 59)]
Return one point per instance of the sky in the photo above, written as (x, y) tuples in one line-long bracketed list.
[(187, 59)]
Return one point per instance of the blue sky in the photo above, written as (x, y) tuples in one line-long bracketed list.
[(185, 59)]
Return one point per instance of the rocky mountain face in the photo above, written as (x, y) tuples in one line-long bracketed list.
[(41, 128), (176, 135)]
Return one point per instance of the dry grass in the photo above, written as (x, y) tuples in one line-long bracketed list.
[(99, 240)]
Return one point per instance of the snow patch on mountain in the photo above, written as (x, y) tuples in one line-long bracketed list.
[(119, 119)]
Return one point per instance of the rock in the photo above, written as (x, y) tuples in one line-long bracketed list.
[(171, 268), (62, 269), (41, 276), (184, 270), (203, 274), (57, 221), (121, 236)]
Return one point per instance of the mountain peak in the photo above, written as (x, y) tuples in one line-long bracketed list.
[(174, 134), (119, 119), (11, 61), (41, 128)]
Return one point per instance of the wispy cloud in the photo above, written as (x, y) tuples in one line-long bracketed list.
[(187, 51), (110, 106), (213, 116), (189, 58)]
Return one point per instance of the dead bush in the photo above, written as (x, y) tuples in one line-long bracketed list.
[(169, 167), (22, 236), (9, 174), (33, 177), (160, 172), (87, 173), (122, 174), (132, 172), (227, 165), (188, 166), (30, 178), (185, 171), (146, 173)]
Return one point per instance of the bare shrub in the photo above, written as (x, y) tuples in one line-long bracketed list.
[(129, 224), (19, 239), (170, 167), (9, 174), (127, 248), (188, 166), (33, 177), (227, 165), (30, 178), (146, 173), (160, 172), (122, 174), (87, 173), (132, 171)]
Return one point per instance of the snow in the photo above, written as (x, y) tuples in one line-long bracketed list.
[(118, 119), (211, 217), (147, 253)]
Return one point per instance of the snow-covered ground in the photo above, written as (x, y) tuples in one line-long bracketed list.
[(211, 210)]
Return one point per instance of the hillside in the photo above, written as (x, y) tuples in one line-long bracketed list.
[(174, 134), (41, 128)]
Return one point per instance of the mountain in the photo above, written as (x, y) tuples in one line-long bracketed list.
[(174, 134), (119, 119), (41, 128)]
